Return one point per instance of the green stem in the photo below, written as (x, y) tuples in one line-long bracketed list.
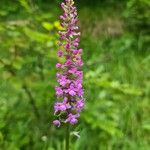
[(67, 136)]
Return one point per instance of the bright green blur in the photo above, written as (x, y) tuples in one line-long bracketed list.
[(115, 39)]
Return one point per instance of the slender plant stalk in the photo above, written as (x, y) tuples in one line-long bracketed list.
[(67, 136), (69, 90)]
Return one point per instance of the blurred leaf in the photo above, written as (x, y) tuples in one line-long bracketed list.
[(1, 138), (58, 26), (48, 26), (25, 4), (37, 36)]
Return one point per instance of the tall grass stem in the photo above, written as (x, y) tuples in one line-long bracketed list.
[(67, 136)]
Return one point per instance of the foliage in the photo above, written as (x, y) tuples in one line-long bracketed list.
[(137, 16), (116, 82), (27, 53)]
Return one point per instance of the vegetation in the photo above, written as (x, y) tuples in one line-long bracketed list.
[(115, 38)]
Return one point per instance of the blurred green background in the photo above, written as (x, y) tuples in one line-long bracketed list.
[(115, 38)]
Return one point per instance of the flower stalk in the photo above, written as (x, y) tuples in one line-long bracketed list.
[(67, 137), (69, 91)]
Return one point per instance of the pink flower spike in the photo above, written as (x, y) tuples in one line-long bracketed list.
[(75, 52), (79, 105), (72, 93), (59, 91), (62, 5), (58, 65), (69, 91), (72, 70), (57, 123), (80, 51), (60, 53), (67, 46), (68, 62), (72, 119)]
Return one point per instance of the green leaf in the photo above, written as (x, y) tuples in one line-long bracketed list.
[(48, 26)]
